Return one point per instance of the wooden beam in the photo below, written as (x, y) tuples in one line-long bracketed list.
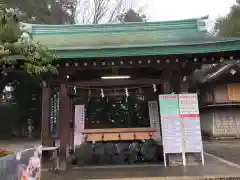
[(167, 86), (118, 130), (115, 82)]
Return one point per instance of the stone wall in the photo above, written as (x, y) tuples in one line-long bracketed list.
[(220, 110), (221, 122)]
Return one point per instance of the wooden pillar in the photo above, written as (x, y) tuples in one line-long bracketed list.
[(184, 87), (167, 89), (179, 83), (64, 121), (71, 130), (45, 129), (167, 85), (174, 82)]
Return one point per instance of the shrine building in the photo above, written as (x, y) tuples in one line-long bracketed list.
[(114, 70)]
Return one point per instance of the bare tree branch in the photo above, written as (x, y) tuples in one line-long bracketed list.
[(117, 11), (101, 11)]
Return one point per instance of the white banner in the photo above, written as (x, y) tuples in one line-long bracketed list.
[(154, 119), (79, 124)]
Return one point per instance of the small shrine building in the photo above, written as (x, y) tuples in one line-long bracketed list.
[(115, 61)]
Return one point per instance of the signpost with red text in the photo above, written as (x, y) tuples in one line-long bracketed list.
[(189, 113), (171, 126), (180, 123)]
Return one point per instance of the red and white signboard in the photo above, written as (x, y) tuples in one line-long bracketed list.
[(189, 112), (188, 105), (79, 124)]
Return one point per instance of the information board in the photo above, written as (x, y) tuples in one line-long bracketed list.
[(188, 106), (180, 122), (154, 119), (54, 114), (189, 112), (79, 120), (170, 123)]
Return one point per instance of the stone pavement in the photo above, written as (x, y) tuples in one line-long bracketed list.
[(212, 168), (226, 149)]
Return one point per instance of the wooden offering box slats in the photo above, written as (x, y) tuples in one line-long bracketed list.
[(119, 134)]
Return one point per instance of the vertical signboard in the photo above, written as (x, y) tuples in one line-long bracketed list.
[(79, 119), (170, 123), (189, 112), (154, 119), (54, 114)]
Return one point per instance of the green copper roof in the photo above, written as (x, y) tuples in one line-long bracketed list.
[(148, 38)]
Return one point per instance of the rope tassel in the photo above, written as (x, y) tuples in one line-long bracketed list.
[(126, 92), (102, 93), (154, 88)]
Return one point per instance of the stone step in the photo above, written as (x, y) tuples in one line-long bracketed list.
[(191, 159)]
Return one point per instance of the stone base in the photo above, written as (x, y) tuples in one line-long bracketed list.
[(191, 159), (118, 153)]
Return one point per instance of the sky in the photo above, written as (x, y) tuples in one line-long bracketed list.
[(163, 10)]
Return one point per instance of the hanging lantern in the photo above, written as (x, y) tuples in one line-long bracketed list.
[(102, 93), (154, 88)]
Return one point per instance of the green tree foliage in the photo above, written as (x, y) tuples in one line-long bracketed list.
[(229, 26), (17, 53), (21, 64), (44, 11), (29, 100), (132, 16), (9, 116), (70, 11)]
